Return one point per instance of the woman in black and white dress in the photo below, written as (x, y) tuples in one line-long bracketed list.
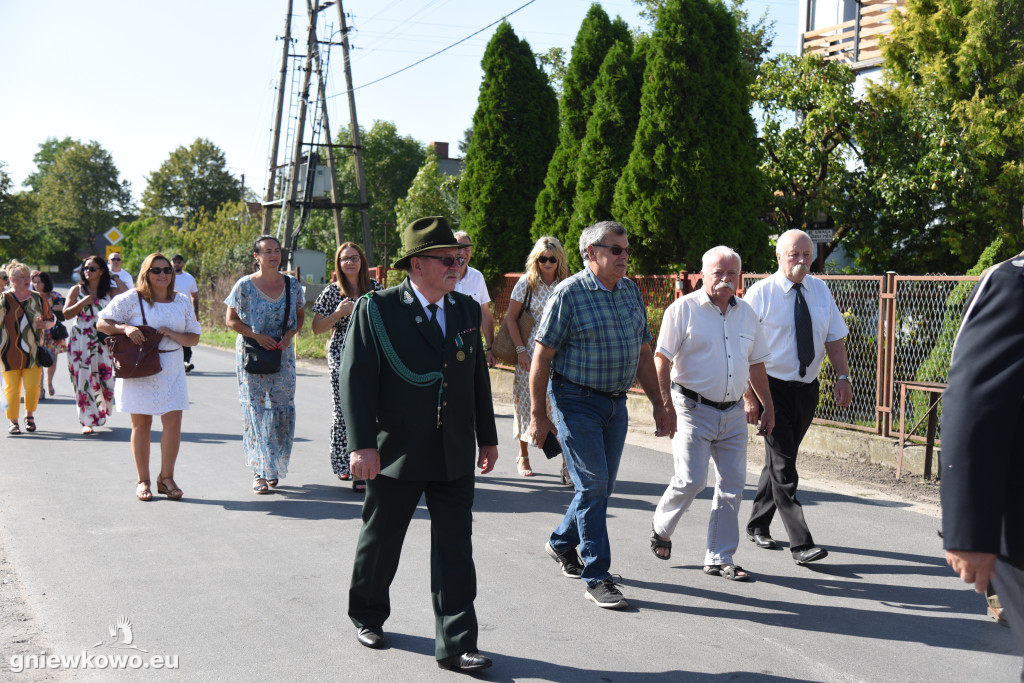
[(332, 311)]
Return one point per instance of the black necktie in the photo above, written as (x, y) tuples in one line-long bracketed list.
[(436, 325), (804, 338)]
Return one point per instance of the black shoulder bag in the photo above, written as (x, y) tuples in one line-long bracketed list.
[(261, 361)]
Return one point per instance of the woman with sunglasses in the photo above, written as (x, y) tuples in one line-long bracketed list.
[(89, 364), (42, 284), (258, 308), (25, 315), (332, 311), (154, 302), (545, 267)]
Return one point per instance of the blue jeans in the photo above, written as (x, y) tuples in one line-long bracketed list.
[(592, 430)]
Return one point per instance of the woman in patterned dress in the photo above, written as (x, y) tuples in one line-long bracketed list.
[(256, 309), (89, 363), (332, 311), (545, 268), (154, 303), (42, 283), (23, 317)]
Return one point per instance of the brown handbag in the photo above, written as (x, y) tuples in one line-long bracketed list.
[(132, 360), (503, 348)]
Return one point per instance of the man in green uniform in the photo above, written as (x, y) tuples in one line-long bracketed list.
[(417, 402)]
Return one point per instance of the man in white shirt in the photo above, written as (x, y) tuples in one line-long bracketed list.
[(709, 347), (186, 284), (802, 323), (114, 263), (471, 282)]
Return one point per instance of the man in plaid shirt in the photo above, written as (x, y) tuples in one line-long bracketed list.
[(592, 343)]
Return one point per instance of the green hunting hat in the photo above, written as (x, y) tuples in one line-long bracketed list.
[(422, 234)]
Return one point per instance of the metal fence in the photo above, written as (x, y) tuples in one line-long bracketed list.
[(901, 330)]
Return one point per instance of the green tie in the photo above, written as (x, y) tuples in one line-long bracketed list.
[(433, 322)]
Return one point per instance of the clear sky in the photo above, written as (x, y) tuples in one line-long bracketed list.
[(143, 78)]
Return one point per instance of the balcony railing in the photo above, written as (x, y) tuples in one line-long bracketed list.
[(854, 41)]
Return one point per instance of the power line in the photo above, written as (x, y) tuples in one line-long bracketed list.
[(395, 73)]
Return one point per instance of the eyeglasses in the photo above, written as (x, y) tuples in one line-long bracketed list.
[(115, 259), (547, 259), (156, 271), (616, 249), (448, 261), (350, 259), (89, 269)]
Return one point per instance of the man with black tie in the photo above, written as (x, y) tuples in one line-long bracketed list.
[(802, 323), (983, 443), (417, 401)]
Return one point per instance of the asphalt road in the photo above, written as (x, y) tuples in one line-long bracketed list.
[(239, 587)]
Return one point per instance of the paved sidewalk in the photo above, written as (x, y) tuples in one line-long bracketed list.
[(240, 587)]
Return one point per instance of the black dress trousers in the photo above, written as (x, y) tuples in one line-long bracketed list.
[(795, 404)]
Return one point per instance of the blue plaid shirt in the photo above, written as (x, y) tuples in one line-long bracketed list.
[(597, 334)]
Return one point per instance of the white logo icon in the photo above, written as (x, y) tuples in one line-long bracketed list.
[(124, 627)]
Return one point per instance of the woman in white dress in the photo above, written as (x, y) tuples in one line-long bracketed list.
[(545, 267), (154, 302)]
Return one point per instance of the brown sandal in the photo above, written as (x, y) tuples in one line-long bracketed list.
[(142, 491), (170, 490)]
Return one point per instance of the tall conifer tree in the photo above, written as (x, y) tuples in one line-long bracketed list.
[(555, 203), (692, 180), (609, 139), (515, 130)]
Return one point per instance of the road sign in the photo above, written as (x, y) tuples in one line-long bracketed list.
[(113, 235), (822, 236)]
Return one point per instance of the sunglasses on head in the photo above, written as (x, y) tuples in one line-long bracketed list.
[(448, 261), (616, 249), (166, 270), (89, 269), (547, 259)]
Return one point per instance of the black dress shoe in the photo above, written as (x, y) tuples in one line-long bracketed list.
[(467, 661), (763, 541), (371, 637), (812, 554)]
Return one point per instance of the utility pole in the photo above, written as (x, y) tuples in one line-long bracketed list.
[(268, 196), (357, 150), (300, 128), (339, 235)]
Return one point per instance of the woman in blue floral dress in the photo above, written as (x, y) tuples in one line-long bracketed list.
[(256, 309), (89, 363), (332, 311)]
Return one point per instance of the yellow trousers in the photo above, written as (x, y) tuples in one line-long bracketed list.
[(13, 379)]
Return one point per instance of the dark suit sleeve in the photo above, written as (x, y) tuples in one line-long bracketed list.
[(359, 385), (486, 430), (981, 416)]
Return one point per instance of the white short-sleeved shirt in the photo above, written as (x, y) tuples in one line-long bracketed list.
[(185, 283), (774, 301), (473, 285), (712, 351), (125, 277)]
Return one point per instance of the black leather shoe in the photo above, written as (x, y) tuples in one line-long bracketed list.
[(371, 637), (763, 541), (467, 661), (812, 554)]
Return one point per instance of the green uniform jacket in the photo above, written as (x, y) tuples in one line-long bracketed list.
[(385, 412)]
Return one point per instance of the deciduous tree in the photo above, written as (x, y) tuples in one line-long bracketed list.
[(432, 193), (193, 178)]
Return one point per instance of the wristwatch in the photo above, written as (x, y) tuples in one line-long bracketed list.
[(846, 377)]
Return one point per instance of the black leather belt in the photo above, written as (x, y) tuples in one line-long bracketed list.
[(607, 394), (700, 399)]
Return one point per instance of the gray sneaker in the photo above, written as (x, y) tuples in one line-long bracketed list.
[(572, 565), (605, 594)]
